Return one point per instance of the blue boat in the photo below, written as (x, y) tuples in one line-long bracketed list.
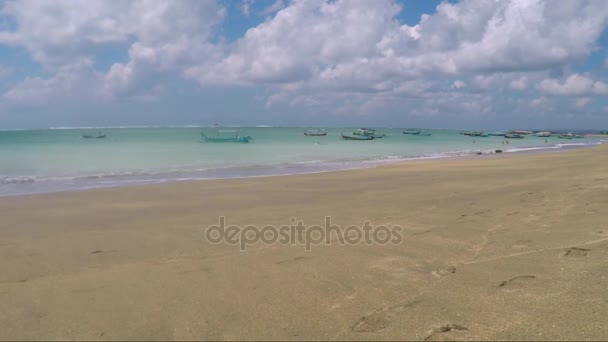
[(357, 137), (411, 131), (226, 135)]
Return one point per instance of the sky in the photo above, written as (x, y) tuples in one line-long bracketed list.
[(487, 64)]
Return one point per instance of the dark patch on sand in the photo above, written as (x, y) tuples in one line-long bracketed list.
[(444, 329), (291, 260), (576, 252), (516, 280)]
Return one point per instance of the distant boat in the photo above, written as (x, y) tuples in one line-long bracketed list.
[(315, 133), (226, 135), (424, 134), (565, 136), (497, 134), (412, 131), (378, 136), (357, 137), (473, 133), (93, 136), (514, 136), (364, 131), (543, 134), (520, 132)]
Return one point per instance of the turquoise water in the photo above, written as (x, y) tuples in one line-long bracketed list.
[(33, 161)]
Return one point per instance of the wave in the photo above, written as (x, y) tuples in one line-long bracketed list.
[(15, 185)]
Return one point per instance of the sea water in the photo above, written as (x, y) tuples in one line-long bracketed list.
[(35, 161)]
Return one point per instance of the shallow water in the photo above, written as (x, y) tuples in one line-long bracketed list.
[(34, 161)]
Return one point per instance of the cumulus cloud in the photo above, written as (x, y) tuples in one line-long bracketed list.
[(582, 101), (161, 36), (350, 45), (336, 54), (458, 84), (574, 84), (519, 84)]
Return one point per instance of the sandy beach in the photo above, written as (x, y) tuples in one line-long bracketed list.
[(502, 247)]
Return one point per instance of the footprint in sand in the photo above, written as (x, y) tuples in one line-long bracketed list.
[(444, 271), (576, 252), (516, 282), (444, 328), (380, 319)]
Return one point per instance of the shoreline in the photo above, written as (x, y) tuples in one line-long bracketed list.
[(290, 169), (509, 247)]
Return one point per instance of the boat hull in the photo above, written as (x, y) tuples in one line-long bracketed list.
[(227, 140), (357, 137)]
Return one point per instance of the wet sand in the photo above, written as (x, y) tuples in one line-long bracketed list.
[(504, 247)]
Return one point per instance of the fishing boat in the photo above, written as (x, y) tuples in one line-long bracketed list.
[(226, 135), (424, 134), (497, 134), (514, 136), (364, 131), (357, 137), (411, 132), (93, 136), (520, 132), (565, 136), (542, 134), (315, 133)]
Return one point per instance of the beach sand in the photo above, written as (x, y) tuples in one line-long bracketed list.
[(502, 247)]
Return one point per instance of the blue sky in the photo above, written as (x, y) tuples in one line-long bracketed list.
[(452, 64)]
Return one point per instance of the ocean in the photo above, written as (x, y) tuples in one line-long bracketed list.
[(50, 160)]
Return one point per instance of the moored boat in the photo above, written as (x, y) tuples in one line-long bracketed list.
[(514, 136), (315, 133), (93, 136), (497, 134), (357, 137), (543, 134), (226, 135), (364, 131), (412, 131)]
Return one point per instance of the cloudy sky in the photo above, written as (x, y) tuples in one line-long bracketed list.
[(451, 64)]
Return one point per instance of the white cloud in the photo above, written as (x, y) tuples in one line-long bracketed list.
[(458, 84), (71, 84), (574, 84), (60, 32), (582, 101), (538, 102), (340, 55), (358, 45), (519, 84), (246, 7), (162, 38), (277, 5)]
